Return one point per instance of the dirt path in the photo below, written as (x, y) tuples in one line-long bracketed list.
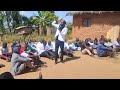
[(80, 67)]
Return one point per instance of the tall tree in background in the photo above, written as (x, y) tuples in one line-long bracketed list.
[(1, 22), (25, 20), (44, 20), (8, 18), (16, 19)]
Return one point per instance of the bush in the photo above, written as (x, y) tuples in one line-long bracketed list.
[(9, 38)]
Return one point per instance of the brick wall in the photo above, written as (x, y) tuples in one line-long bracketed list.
[(101, 23)]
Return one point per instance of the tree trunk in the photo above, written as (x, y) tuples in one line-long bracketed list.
[(41, 30), (48, 31), (38, 29)]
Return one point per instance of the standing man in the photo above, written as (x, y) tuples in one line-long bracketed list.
[(60, 38)]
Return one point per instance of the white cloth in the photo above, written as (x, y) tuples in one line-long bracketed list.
[(24, 54), (49, 47), (109, 44), (3, 50), (66, 45), (40, 48), (115, 44), (91, 44), (61, 35)]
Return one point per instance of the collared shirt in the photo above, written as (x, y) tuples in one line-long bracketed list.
[(61, 35), (49, 47), (40, 48)]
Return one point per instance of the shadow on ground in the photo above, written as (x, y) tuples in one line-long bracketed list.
[(71, 58)]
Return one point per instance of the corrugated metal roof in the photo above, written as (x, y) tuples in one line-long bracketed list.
[(90, 12)]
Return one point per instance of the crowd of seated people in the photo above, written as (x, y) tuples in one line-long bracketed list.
[(28, 55)]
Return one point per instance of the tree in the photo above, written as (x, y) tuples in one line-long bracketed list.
[(1, 24), (8, 18), (25, 20), (69, 26), (44, 19), (16, 19)]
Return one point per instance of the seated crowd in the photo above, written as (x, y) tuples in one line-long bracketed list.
[(28, 55)]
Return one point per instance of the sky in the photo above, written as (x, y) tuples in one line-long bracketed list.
[(61, 14)]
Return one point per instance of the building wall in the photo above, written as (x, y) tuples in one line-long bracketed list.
[(101, 23)]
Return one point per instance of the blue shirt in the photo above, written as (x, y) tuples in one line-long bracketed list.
[(101, 49)]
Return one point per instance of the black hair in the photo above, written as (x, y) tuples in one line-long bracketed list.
[(4, 45), (42, 40), (64, 22), (16, 50), (6, 75)]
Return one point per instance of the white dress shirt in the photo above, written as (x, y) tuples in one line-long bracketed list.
[(115, 44), (61, 35), (40, 48), (49, 47)]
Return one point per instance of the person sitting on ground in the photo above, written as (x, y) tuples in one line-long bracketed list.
[(95, 47), (108, 43), (73, 47), (48, 50), (104, 51), (78, 43), (35, 58), (41, 50), (86, 49), (102, 38), (96, 41), (6, 75), (4, 53), (91, 43), (19, 63), (116, 45), (67, 50), (13, 45), (32, 47), (51, 47)]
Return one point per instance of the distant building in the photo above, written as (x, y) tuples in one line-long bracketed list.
[(23, 30), (93, 24)]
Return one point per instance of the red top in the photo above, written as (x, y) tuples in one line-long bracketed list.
[(21, 51)]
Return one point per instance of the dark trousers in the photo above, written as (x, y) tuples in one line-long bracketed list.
[(51, 53), (68, 53), (45, 54), (57, 45), (36, 60), (6, 56)]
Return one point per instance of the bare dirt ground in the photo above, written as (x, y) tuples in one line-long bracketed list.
[(79, 67)]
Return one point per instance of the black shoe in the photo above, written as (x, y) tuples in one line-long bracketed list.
[(56, 62), (61, 61)]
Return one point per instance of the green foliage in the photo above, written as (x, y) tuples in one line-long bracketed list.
[(10, 38), (44, 19), (69, 26)]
